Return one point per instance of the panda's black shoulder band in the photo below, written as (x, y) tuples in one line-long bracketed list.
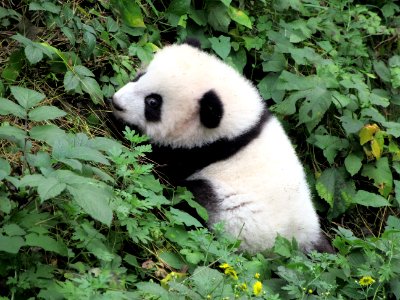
[(192, 42), (179, 163)]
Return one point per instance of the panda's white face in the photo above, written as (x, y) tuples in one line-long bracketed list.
[(187, 98)]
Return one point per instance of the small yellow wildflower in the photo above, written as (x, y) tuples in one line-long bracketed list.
[(366, 280), (229, 270), (243, 287), (257, 288), (257, 275)]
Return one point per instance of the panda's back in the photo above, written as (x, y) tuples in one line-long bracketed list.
[(261, 190)]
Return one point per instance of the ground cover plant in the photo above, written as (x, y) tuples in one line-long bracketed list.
[(82, 216)]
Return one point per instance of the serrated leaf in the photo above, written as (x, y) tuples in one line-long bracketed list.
[(130, 12), (92, 87), (33, 53), (218, 16), (330, 145), (5, 168), (45, 112), (82, 71), (27, 98), (12, 133), (381, 173), (89, 154), (94, 200), (47, 243), (353, 163), (351, 125), (71, 81), (239, 17), (47, 133), (10, 107), (11, 244), (206, 280), (221, 45), (181, 217), (50, 188), (32, 180), (369, 199)]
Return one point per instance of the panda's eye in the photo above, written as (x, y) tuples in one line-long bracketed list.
[(153, 100), (152, 107)]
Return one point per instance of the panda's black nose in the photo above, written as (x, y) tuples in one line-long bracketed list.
[(115, 105)]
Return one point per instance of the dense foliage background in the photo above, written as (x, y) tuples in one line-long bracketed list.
[(82, 216)]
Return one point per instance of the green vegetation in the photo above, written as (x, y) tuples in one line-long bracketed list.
[(83, 217)]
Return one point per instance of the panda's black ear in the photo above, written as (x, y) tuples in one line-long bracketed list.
[(192, 42), (211, 109)]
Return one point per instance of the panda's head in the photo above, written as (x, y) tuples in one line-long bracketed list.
[(187, 98)]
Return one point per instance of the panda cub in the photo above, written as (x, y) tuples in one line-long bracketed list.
[(211, 132)]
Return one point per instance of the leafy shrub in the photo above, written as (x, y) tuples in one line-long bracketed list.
[(83, 216)]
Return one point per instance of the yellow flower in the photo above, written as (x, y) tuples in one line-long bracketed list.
[(228, 270), (310, 291), (257, 288), (243, 287), (257, 275), (366, 280)]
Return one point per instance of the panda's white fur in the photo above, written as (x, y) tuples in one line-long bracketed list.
[(261, 189)]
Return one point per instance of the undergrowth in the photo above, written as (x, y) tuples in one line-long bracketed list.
[(82, 215)]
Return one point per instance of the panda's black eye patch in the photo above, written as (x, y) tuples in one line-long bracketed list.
[(138, 75), (152, 107)]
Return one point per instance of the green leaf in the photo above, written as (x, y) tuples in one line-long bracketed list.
[(221, 46), (239, 17), (11, 244), (50, 188), (27, 98), (71, 81), (218, 16), (10, 107), (82, 71), (153, 290), (45, 112), (181, 217), (353, 163), (12, 133), (334, 187), (92, 87), (172, 259), (47, 243), (381, 174), (351, 125), (33, 53), (89, 154), (207, 280), (13, 230), (32, 180), (274, 63), (94, 200), (330, 145), (369, 199), (5, 168), (47, 133), (282, 247), (129, 11)]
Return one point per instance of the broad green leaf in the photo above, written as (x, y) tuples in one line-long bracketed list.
[(11, 244), (32, 180), (221, 46), (82, 71), (274, 63), (350, 124), (181, 217), (392, 128), (46, 6), (397, 191), (94, 200), (381, 173), (47, 243), (239, 17), (13, 230), (282, 247), (369, 199), (5, 168), (336, 190), (152, 289), (172, 259), (5, 205), (71, 81), (10, 107), (89, 154), (330, 145), (178, 7), (47, 133), (33, 53), (288, 105), (353, 163), (92, 87), (207, 280), (12, 133), (50, 188), (27, 98), (289, 81), (218, 16), (45, 112), (130, 12)]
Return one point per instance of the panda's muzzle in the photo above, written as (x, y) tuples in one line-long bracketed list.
[(115, 105)]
